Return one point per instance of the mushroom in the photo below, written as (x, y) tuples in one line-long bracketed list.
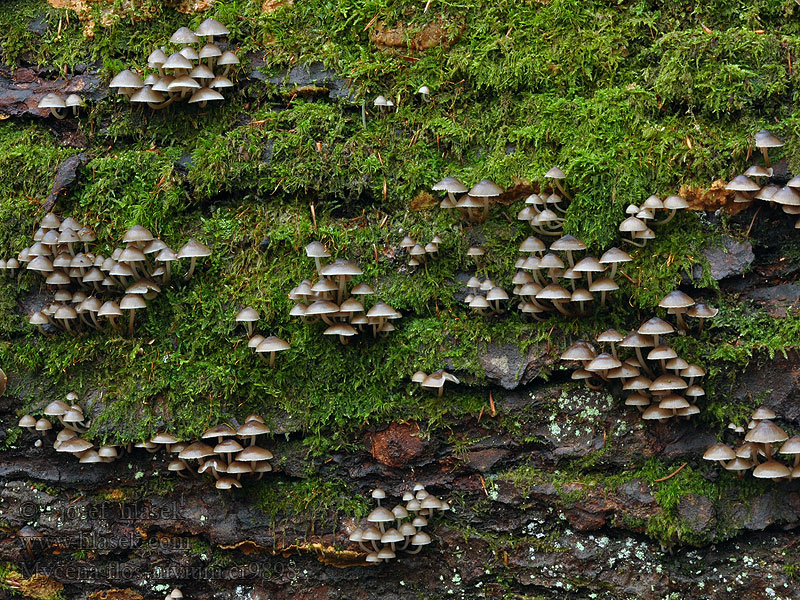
[(272, 345), (485, 190), (248, 315), (193, 249), (764, 141)]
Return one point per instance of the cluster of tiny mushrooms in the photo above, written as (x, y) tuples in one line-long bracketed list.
[(746, 189), (59, 106), (175, 594), (662, 385), (762, 440), (224, 452), (388, 532), (87, 286), (197, 72), (328, 299), (261, 345), (642, 218), (418, 254), (434, 381)]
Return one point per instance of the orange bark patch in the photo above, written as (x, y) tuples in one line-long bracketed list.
[(400, 38), (713, 198), (397, 444), (126, 594)]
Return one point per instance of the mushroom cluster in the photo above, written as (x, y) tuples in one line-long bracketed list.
[(638, 225), (87, 285), (175, 594), (197, 72), (484, 297), (555, 279), (679, 303), (261, 345), (762, 440), (474, 205), (418, 254), (545, 211), (226, 453), (388, 532), (434, 381), (59, 106), (383, 104), (661, 385), (328, 299), (746, 189)]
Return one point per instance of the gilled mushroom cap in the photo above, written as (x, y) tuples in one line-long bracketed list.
[(317, 250), (742, 183), (673, 402), (532, 244), (420, 539), (339, 268), (228, 58), (272, 344), (362, 289), (604, 284), (132, 302), (341, 329), (109, 309), (210, 51), (610, 335), (603, 362), (764, 139), (107, 452), (137, 234), (695, 371), (183, 83), (56, 408), (162, 85), (228, 446), (380, 514), (74, 445), (206, 95), (237, 467), (738, 464), (588, 264), (702, 311), (247, 315), (451, 185), (496, 293), (632, 224), (791, 446), (163, 438), (656, 413), (676, 299), (196, 451), (485, 188), (51, 101), (767, 192), (43, 425), (555, 173), (211, 27), (382, 310), (762, 413), (392, 535), (184, 35), (227, 483), (579, 351), (656, 326), (27, 421), (637, 399), (667, 383), (554, 292), (157, 58), (661, 353), (786, 196), (766, 432), (219, 431), (252, 427), (568, 243), (675, 202), (193, 248), (126, 79), (772, 469)]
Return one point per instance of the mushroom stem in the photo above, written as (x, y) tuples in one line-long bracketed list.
[(418, 548), (681, 322), (113, 322), (271, 360), (643, 362), (191, 268), (56, 112), (561, 309), (562, 190), (130, 322), (672, 214), (249, 329), (766, 156), (634, 243)]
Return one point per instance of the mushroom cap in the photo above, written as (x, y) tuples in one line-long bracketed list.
[(764, 139), (656, 413), (341, 268), (219, 431), (132, 302), (228, 58), (184, 35), (676, 299), (673, 402), (588, 264), (392, 535), (532, 244), (675, 202), (126, 79), (632, 224), (496, 293), (206, 95), (772, 469), (211, 27), (74, 445), (604, 284), (137, 234), (661, 353), (766, 432), (252, 428), (667, 383), (177, 60), (247, 315), (767, 192), (637, 399), (382, 310), (786, 196), (380, 514), (272, 344), (182, 83), (341, 329), (52, 100), (237, 467), (193, 248), (791, 446), (420, 539), (451, 185), (228, 446), (226, 483), (210, 51), (738, 464), (762, 413), (742, 183), (485, 188), (43, 425), (603, 362), (109, 309), (610, 335), (56, 408), (555, 173), (317, 250), (580, 350), (27, 421), (196, 451), (554, 292), (568, 243), (157, 58), (655, 326), (703, 311)]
